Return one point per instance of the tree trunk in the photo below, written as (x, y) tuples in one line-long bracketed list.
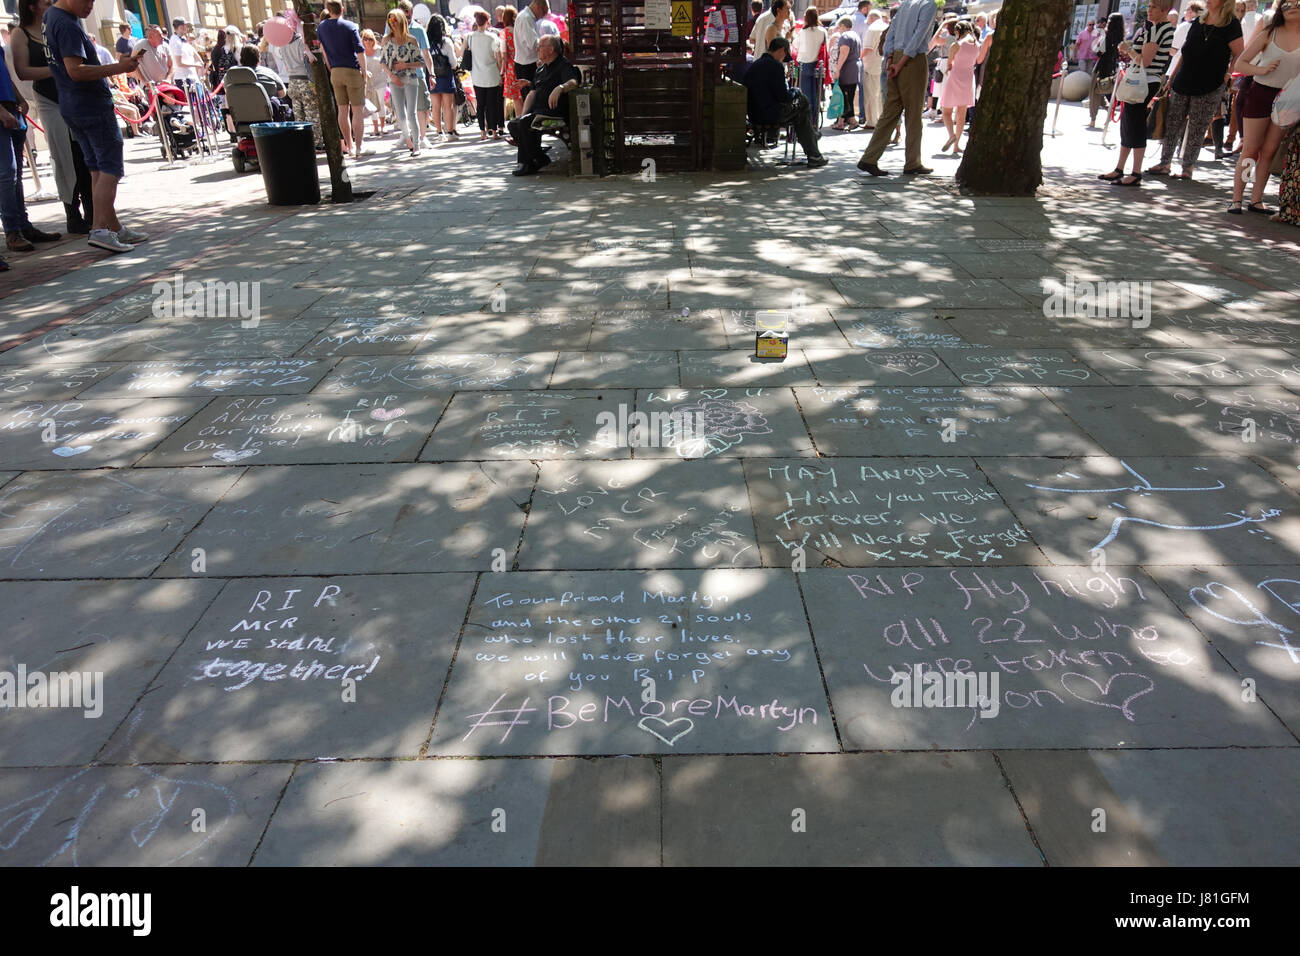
[(340, 184), (1004, 155)]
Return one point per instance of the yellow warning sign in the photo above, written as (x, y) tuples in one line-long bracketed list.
[(683, 18)]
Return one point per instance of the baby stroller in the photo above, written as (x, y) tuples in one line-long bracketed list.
[(176, 129), (246, 103)]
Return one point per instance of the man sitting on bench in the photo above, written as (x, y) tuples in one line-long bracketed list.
[(773, 103), (548, 96)]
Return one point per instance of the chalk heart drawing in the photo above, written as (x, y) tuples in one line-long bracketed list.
[(653, 726), (386, 414), (1078, 374), (230, 455), (68, 451), (1089, 691), (712, 393), (909, 363)]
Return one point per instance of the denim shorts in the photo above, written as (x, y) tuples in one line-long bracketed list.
[(100, 141)]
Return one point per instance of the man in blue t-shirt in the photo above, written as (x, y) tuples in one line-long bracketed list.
[(19, 231), (87, 108), (345, 58)]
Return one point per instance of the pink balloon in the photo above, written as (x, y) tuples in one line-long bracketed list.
[(277, 31)]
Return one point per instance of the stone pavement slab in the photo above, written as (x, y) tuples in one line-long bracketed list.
[(556, 663), (947, 809), (723, 422), (1015, 420), (999, 328), (68, 434), (1218, 328), (510, 330), (864, 512), (613, 369), (1020, 367), (895, 293), (742, 369), (1225, 367), (377, 335), (1248, 613), (302, 429), (112, 635), (648, 513), (468, 813), (897, 328), (1080, 658), (137, 816), (50, 382), (306, 668), (1150, 511), (640, 332), (808, 328), (77, 344), (881, 367), (206, 377), (341, 519), (99, 524), (178, 339), (527, 425), (440, 371), (1163, 807)]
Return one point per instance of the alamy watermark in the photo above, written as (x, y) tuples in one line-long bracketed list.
[(633, 429), (75, 689), (210, 299), (1086, 299), (933, 688)]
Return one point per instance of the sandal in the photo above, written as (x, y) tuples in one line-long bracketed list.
[(1234, 209), (1159, 170), (1115, 175), (1185, 174), (1260, 208), (1136, 177)]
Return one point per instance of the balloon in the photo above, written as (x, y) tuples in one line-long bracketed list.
[(291, 17), (421, 14), (277, 31), (455, 7)]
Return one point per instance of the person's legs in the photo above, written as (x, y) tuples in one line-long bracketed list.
[(885, 127), (959, 124), (850, 91), (345, 127), (1252, 138), (104, 188), (480, 94), (447, 103), (798, 114), (528, 142), (13, 211), (947, 124), (496, 99), (912, 81), (404, 107), (358, 125), (1264, 166), (1200, 113)]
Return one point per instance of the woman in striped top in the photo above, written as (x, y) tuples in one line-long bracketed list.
[(1153, 50)]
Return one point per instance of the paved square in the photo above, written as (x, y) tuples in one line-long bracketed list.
[(66, 434), (439, 372), (561, 424), (722, 422), (50, 382), (558, 664), (285, 376)]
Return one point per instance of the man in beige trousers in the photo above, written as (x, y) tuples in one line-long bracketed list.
[(908, 70)]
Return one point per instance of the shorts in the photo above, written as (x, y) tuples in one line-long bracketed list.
[(349, 86), (1257, 100), (423, 101), (100, 141), (444, 84)]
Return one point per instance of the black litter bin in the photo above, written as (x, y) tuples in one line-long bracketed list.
[(287, 155)]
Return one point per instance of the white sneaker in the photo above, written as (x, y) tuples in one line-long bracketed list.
[(129, 235), (425, 144), (107, 239)]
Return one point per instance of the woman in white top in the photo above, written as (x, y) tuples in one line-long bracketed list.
[(1277, 48), (808, 50), (486, 55)]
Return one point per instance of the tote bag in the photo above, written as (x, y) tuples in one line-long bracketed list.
[(835, 108)]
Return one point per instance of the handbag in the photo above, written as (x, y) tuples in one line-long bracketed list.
[(835, 108), (1133, 86), (466, 61), (1286, 107), (460, 90), (1156, 116)]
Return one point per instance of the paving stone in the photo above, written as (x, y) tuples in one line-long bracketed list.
[(206, 377), (77, 344), (50, 382), (737, 369), (349, 667), (879, 367), (1248, 614), (808, 328), (136, 816), (439, 371), (864, 512), (219, 339), (510, 330), (1013, 419), (378, 335), (303, 429), (108, 637), (1218, 328), (991, 265), (960, 231), (909, 294), (754, 291), (611, 369), (723, 422), (636, 291), (98, 524), (1081, 658), (859, 810), (1195, 366), (1163, 807), (527, 425), (728, 652), (339, 519), (1174, 421), (888, 329), (639, 514), (1150, 511), (450, 813), (1020, 367), (644, 332), (1027, 329), (70, 434)]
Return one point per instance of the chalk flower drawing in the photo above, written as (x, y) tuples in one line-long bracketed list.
[(1144, 487), (720, 423)]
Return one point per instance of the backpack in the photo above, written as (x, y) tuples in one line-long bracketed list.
[(441, 63)]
